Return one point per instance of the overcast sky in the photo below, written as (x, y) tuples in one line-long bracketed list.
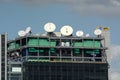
[(86, 15)]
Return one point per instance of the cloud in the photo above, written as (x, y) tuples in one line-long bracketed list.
[(114, 61), (107, 8), (116, 2), (115, 76), (115, 53)]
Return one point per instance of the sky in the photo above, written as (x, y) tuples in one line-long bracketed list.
[(86, 15)]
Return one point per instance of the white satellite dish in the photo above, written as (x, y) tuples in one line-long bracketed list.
[(66, 30), (17, 53), (49, 27), (12, 54), (79, 33), (44, 34), (97, 32), (21, 33), (28, 29), (87, 35)]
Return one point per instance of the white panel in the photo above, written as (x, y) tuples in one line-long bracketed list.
[(16, 69)]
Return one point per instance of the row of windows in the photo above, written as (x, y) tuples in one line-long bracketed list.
[(59, 78), (64, 78), (3, 56), (53, 66), (64, 71), (14, 78)]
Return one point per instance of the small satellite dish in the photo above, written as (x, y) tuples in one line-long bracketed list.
[(21, 33), (17, 53), (37, 34), (44, 34), (66, 30), (28, 29), (79, 33), (97, 32), (12, 54), (49, 27), (87, 35), (57, 34)]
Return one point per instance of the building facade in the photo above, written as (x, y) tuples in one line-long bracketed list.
[(3, 56), (38, 57)]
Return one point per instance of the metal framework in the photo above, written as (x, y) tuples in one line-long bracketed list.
[(46, 49)]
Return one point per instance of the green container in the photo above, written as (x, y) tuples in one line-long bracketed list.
[(41, 50), (92, 51), (43, 42), (33, 42), (88, 43), (97, 44), (89, 52), (17, 45), (96, 51), (77, 44), (32, 50), (52, 50), (77, 51), (52, 43), (12, 46)]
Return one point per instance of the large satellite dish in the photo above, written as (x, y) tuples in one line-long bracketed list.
[(49, 27), (21, 33), (97, 32), (79, 33), (28, 29), (66, 30)]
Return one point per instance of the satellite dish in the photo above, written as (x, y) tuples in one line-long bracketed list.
[(37, 34), (66, 30), (17, 53), (12, 54), (44, 34), (21, 33), (97, 32), (28, 29), (79, 33), (49, 27), (87, 35), (57, 34)]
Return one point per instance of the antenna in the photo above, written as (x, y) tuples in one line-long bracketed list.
[(49, 27), (28, 30), (97, 32), (66, 30), (21, 33), (79, 33)]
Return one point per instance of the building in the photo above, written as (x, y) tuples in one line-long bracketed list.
[(52, 57), (3, 56)]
